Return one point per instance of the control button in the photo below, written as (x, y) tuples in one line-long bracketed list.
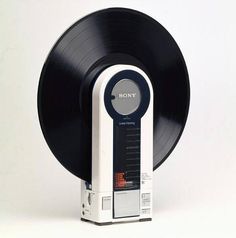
[(126, 97), (106, 203), (89, 199), (146, 199)]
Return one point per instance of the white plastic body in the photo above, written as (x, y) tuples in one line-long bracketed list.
[(97, 201)]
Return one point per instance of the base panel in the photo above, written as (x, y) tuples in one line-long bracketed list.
[(112, 223)]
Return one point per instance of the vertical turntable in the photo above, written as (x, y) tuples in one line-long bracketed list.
[(113, 101)]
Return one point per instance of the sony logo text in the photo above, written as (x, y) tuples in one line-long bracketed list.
[(126, 95)]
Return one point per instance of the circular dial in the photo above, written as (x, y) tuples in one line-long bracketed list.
[(126, 97)]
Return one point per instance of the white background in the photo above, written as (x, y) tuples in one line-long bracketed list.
[(194, 190)]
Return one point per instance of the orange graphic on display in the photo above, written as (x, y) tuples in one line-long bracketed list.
[(120, 181)]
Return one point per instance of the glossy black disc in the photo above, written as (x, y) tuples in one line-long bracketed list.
[(101, 39)]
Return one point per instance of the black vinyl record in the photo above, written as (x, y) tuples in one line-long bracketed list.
[(97, 41)]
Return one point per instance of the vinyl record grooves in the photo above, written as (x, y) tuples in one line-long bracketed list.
[(101, 39)]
